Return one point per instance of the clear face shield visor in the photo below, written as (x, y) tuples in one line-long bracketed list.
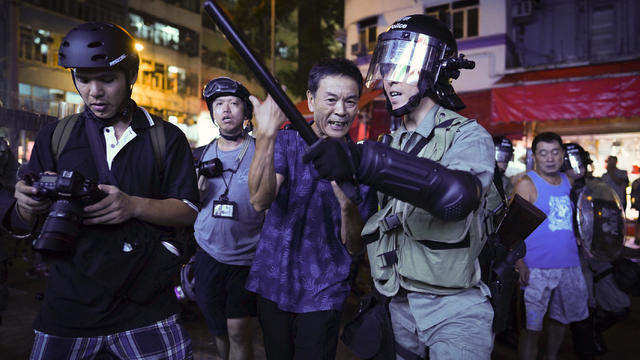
[(401, 56), (503, 155), (573, 161)]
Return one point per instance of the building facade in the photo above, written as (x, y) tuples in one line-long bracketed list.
[(179, 48), (569, 66)]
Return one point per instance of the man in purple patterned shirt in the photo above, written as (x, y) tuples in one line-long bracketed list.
[(303, 258)]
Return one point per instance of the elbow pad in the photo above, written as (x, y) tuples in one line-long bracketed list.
[(447, 194)]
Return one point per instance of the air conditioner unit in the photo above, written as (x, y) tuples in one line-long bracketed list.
[(356, 49), (522, 10)]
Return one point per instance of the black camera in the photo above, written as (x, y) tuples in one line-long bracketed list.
[(70, 193), (210, 168)]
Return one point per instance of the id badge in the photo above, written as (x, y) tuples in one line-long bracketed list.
[(224, 209)]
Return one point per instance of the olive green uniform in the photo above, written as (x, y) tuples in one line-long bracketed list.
[(435, 281)]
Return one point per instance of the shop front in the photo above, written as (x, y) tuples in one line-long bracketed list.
[(596, 106)]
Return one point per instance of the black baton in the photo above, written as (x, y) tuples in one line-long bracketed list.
[(269, 83)]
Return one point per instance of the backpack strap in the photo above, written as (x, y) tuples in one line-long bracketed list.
[(158, 140), (63, 129), (61, 134), (159, 143)]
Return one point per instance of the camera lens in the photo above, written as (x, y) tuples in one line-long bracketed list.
[(211, 168), (60, 228)]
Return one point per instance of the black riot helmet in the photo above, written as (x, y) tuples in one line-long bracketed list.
[(504, 149), (576, 158), (99, 45), (224, 86), (419, 50)]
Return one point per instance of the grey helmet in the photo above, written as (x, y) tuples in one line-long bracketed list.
[(419, 50), (504, 149), (224, 86)]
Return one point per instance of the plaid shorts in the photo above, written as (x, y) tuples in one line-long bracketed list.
[(166, 339), (562, 291)]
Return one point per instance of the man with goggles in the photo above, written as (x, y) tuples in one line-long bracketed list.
[(227, 228)]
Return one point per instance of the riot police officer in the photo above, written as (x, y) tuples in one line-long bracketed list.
[(601, 242), (424, 242), (504, 155)]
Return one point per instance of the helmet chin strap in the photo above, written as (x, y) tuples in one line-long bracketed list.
[(414, 101), (233, 137), (125, 109)]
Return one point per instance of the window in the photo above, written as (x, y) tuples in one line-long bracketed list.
[(602, 39), (45, 100), (169, 78), (74, 98), (460, 16), (175, 37), (367, 36), (101, 11), (35, 45)]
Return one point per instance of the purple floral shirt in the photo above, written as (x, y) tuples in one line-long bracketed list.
[(301, 263)]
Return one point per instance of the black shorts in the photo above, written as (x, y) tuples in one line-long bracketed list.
[(220, 292)]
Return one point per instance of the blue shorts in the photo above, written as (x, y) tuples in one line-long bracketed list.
[(166, 339)]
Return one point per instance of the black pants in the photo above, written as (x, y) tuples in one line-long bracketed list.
[(290, 335)]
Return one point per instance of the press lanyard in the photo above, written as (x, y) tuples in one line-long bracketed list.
[(239, 157)]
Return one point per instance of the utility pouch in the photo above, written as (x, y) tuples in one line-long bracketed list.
[(136, 266), (370, 334)]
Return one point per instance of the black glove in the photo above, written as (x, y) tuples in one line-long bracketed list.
[(335, 159)]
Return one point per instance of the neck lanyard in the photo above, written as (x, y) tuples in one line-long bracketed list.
[(239, 157)]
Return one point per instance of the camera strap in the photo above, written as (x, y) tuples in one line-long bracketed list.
[(99, 154), (245, 146)]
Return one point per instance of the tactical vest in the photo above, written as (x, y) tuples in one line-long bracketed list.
[(418, 251)]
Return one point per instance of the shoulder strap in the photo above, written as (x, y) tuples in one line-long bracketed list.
[(61, 134), (158, 140), (198, 152), (159, 143), (497, 182), (415, 150)]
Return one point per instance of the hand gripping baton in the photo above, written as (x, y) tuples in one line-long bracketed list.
[(268, 82)]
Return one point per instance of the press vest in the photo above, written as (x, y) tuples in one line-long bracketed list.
[(433, 255)]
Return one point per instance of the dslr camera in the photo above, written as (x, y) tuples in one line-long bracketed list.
[(210, 168), (70, 193)]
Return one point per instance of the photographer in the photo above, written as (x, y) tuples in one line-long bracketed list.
[(227, 228), (109, 287)]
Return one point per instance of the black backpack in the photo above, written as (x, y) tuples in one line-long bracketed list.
[(62, 132)]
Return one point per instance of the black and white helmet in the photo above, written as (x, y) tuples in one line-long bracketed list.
[(419, 50), (99, 45)]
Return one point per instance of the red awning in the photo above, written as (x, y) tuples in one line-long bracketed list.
[(585, 99), (572, 72)]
